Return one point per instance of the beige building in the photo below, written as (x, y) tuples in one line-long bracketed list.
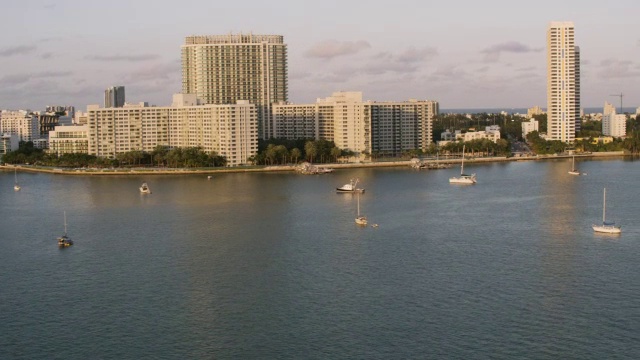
[(536, 110), (222, 69), (8, 143), (563, 82), (229, 130), (359, 126), (69, 140), (23, 123)]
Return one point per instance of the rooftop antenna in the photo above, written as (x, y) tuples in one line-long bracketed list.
[(619, 95)]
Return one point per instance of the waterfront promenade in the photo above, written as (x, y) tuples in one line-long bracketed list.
[(282, 168)]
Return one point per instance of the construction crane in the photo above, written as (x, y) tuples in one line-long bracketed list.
[(619, 95)]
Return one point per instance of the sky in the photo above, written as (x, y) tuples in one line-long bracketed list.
[(463, 54)]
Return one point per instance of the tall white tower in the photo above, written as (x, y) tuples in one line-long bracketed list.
[(222, 69), (563, 82)]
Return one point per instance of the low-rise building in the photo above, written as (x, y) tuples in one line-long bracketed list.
[(69, 140), (529, 126)]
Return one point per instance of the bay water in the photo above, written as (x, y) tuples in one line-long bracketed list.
[(272, 265)]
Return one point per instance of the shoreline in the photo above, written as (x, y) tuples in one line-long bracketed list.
[(293, 168)]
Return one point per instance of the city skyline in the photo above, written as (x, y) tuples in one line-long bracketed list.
[(469, 55)]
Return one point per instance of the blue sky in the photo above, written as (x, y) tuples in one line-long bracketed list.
[(464, 54)]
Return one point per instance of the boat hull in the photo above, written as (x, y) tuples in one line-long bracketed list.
[(341, 190), (361, 220), (574, 172), (606, 229), (464, 180)]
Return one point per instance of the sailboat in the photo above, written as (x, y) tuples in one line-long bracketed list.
[(64, 241), (360, 219), (144, 188), (606, 227), (464, 178), (16, 187), (573, 170)]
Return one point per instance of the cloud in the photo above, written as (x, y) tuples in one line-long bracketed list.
[(492, 53), (331, 49), (412, 55), (154, 73), (18, 79), (16, 50), (127, 58), (46, 55), (611, 69)]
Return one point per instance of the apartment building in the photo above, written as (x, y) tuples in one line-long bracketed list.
[(69, 140), (229, 130), (613, 124), (563, 82), (223, 69), (361, 126), (23, 123)]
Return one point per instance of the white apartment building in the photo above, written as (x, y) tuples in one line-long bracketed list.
[(229, 130), (22, 123), (613, 124), (491, 133), (357, 125), (563, 82), (69, 139), (8, 143), (223, 69), (529, 126)]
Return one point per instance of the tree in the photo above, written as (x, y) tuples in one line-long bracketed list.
[(295, 154), (336, 153), (311, 150)]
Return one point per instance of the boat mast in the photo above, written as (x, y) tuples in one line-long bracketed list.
[(65, 223), (462, 163), (358, 204), (604, 204)]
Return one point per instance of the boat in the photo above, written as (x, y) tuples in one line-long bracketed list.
[(144, 188), (360, 219), (606, 227), (463, 178), (573, 170), (350, 187), (64, 241), (16, 187), (209, 177)]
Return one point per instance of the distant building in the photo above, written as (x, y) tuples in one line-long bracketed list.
[(64, 110), (491, 133), (529, 126), (229, 130), (223, 69), (80, 118), (114, 97), (536, 110), (613, 124), (563, 82), (389, 128), (22, 123)]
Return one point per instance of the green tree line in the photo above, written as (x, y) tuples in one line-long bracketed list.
[(161, 156)]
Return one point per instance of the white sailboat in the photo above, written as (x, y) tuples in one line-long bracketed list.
[(16, 187), (573, 170), (606, 227), (464, 178), (360, 219), (64, 241)]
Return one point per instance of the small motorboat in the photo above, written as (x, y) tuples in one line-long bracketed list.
[(351, 187), (144, 188)]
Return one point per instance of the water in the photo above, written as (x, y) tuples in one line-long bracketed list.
[(250, 266)]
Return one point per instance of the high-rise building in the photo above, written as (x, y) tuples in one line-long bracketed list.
[(222, 69), (114, 97), (563, 82), (22, 123)]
